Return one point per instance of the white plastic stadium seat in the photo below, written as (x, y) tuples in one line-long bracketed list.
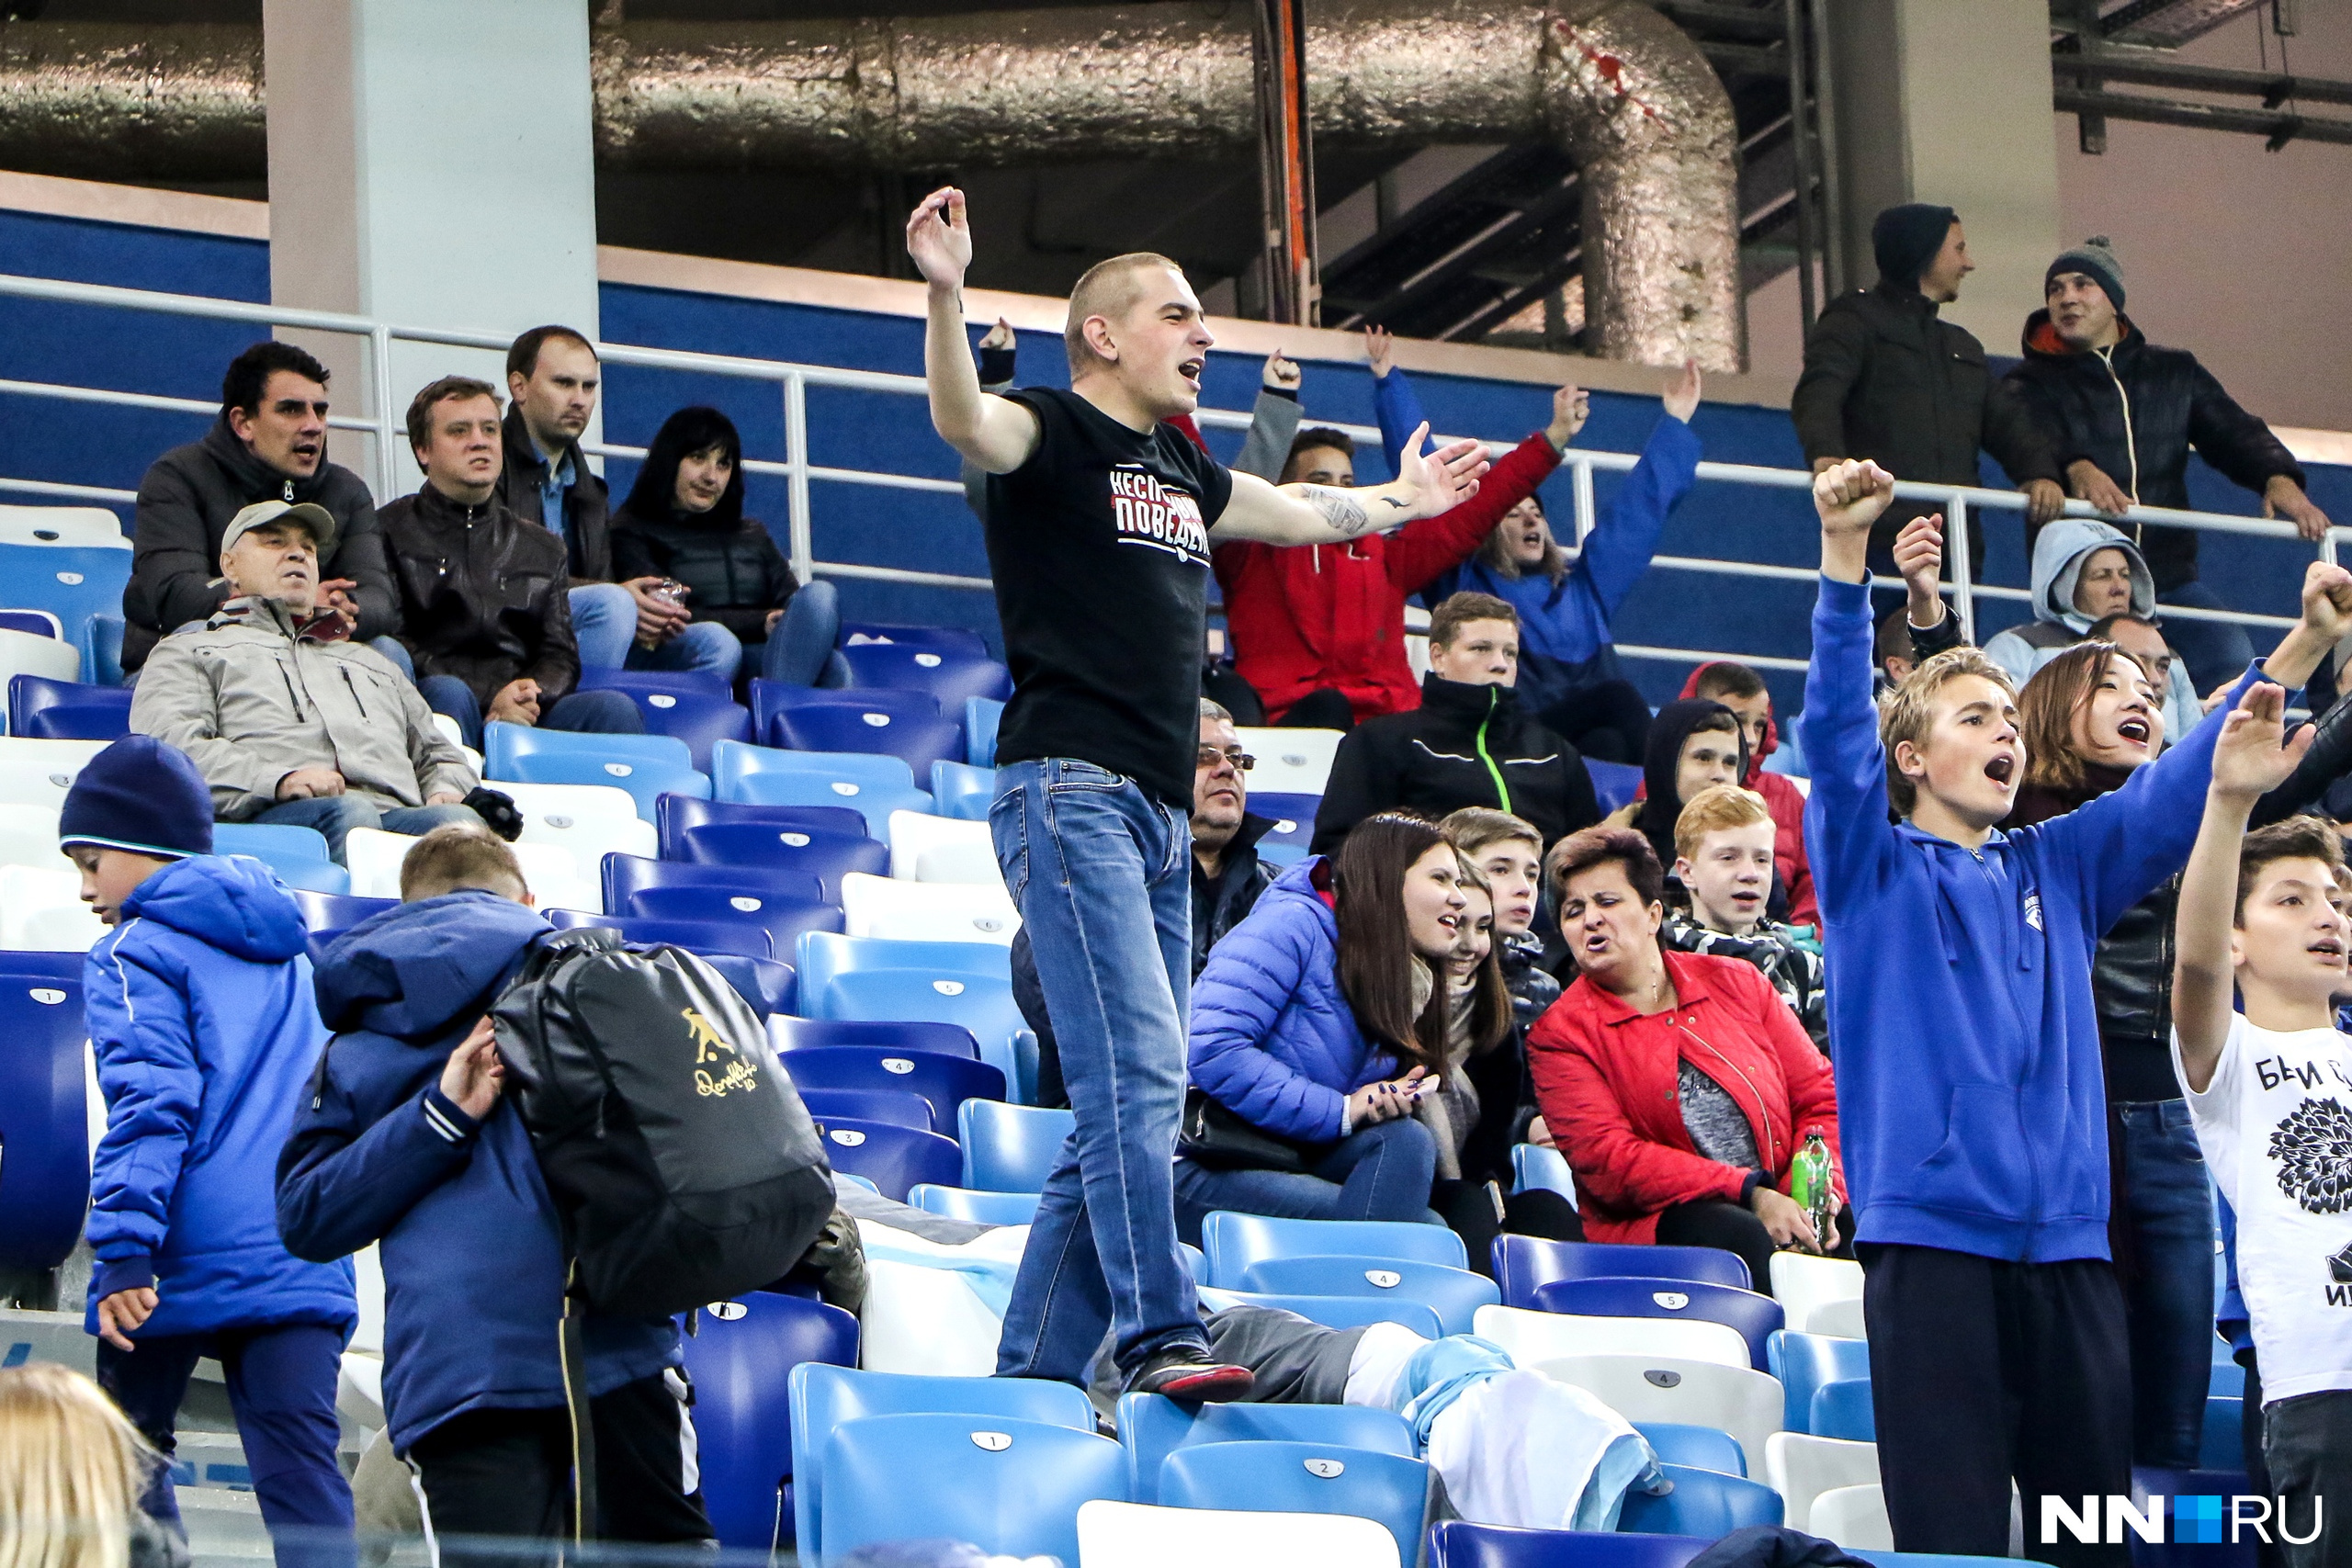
[(1853, 1516), (973, 864), (450, 731), (1291, 762), (1839, 1319), (1136, 1535), (1801, 1467), (41, 911), (26, 780), (84, 527), (549, 870), (591, 820), (927, 911), (28, 837), (1532, 1337), (1803, 1284), (1738, 1400), (22, 653), (915, 833)]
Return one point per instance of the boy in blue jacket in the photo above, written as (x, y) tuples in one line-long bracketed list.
[(406, 1140), (1961, 1022), (199, 1003)]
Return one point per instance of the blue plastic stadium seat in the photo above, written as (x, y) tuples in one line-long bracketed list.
[(785, 903), (1152, 1426), (823, 1398), (72, 582), (1010, 1148), (961, 791), (1523, 1262), (1842, 1409), (648, 766), (980, 1208), (954, 640), (697, 683), (2221, 1443), (101, 643), (1614, 783), (1011, 1488), (34, 623), (893, 1158), (1534, 1166), (1457, 1543), (872, 786), (699, 719), (334, 911), (297, 855), (1704, 1503), (1301, 1478), (1293, 819), (981, 717), (42, 964), (678, 816), (770, 698), (1234, 1241), (44, 1122), (982, 1004), (899, 1107), (705, 937), (504, 744), (947, 675), (43, 709), (913, 1037), (760, 846), (1339, 1311), (943, 1082), (1757, 1317), (1454, 1294), (1701, 1448), (1805, 1362), (740, 1358), (763, 983), (822, 956), (917, 742)]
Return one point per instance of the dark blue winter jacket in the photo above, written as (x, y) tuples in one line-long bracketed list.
[(1972, 1111), (1272, 1037), (473, 1258), (199, 1011)]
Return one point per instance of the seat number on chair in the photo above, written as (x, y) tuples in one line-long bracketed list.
[(1657, 1377), (839, 788), (71, 579), (987, 924), (1385, 1279), (726, 1312), (1672, 1301), (798, 841), (559, 823), (847, 1137), (898, 1065), (661, 699), (878, 720), (995, 1442), (746, 904), (928, 661), (46, 997), (1324, 1469), (619, 770), (948, 987)]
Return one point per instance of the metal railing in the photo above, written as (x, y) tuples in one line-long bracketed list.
[(797, 468)]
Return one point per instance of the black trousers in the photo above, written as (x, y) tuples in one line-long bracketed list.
[(2266, 1553), (1734, 1227), (1468, 1210), (2307, 1442), (1983, 1371), (508, 1472)]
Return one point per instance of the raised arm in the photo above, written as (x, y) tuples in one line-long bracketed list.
[(1426, 485), (995, 434), (2248, 761), (1846, 837)]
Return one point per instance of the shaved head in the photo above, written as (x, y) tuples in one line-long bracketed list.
[(1109, 289)]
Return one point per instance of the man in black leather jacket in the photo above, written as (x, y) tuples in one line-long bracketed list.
[(2122, 414)]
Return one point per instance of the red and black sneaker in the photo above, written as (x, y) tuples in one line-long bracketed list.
[(1184, 1372)]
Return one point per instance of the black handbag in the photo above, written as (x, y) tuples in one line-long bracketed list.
[(1220, 1139)]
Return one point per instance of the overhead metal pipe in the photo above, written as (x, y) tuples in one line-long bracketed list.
[(1631, 100)]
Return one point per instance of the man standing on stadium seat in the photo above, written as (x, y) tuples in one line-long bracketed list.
[(553, 375), (2122, 413), (1886, 379), (1100, 520), (269, 443)]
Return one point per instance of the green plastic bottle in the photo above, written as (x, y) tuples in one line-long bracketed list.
[(1812, 1186)]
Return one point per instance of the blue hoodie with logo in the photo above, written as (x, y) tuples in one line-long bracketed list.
[(200, 1012), (1971, 1107), (472, 1250)]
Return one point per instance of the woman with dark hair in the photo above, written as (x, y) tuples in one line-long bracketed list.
[(2090, 717), (683, 521), (1680, 1086)]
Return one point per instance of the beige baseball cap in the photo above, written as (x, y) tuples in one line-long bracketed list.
[(261, 514)]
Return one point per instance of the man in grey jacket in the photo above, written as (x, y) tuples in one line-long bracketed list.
[(288, 719)]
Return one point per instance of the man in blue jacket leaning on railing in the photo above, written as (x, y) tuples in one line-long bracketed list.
[(1966, 1048)]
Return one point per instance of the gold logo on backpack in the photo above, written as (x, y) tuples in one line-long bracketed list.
[(708, 1045)]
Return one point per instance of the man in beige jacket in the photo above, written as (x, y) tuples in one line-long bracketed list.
[(288, 718)]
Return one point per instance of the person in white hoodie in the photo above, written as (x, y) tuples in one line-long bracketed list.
[(2084, 571)]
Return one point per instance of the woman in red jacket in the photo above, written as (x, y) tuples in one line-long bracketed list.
[(1331, 618), (1679, 1086)]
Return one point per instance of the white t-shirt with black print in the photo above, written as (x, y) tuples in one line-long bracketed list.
[(2275, 1126)]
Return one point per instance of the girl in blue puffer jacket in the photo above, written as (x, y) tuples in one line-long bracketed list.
[(1307, 1025)]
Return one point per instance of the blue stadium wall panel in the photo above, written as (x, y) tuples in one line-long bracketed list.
[(867, 525)]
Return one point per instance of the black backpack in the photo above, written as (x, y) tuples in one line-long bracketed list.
[(683, 1164)]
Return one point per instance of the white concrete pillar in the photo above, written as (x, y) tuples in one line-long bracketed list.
[(431, 165), (1948, 102)]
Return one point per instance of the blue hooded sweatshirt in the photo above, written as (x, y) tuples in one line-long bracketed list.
[(199, 1010), (1563, 637), (472, 1251), (1971, 1107), (1273, 1038)]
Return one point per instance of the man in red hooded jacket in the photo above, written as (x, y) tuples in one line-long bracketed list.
[(1331, 617), (1742, 690)]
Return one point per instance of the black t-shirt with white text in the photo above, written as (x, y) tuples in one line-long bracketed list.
[(1099, 546)]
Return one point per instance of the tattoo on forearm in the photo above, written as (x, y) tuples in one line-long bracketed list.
[(1338, 508), (1394, 501)]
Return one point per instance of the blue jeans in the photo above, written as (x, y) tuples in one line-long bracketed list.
[(337, 814), (281, 1386), (604, 623), (1103, 874), (2167, 1216), (598, 712), (1380, 1172), (803, 641), (2215, 651)]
